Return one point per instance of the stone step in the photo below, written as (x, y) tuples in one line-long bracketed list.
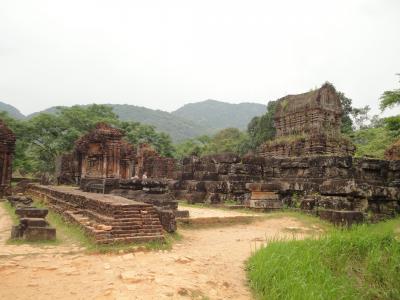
[(128, 235), (136, 239), (134, 227)]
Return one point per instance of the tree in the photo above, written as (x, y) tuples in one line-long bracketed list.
[(197, 147), (41, 139), (261, 129), (21, 160), (372, 141), (361, 116), (137, 133), (347, 122), (390, 98), (227, 140)]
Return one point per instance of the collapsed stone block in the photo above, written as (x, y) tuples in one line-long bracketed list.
[(33, 222), (39, 233), (20, 201), (31, 212), (32, 225)]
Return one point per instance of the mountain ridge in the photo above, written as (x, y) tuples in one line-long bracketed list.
[(11, 110), (189, 121)]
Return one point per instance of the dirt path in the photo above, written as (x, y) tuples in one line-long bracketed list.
[(206, 264)]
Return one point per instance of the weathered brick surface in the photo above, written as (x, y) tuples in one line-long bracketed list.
[(106, 218), (217, 178), (7, 146)]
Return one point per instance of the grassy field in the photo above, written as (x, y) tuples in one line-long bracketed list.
[(360, 263)]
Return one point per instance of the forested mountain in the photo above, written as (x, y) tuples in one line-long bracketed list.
[(189, 121), (11, 110), (219, 115)]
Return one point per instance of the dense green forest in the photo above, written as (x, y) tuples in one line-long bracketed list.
[(44, 136)]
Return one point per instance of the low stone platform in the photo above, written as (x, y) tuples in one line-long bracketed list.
[(213, 216), (106, 218)]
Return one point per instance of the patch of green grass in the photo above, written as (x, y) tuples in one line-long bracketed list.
[(360, 262), (34, 243), (11, 211)]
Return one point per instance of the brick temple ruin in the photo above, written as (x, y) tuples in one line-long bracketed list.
[(102, 158), (309, 166), (132, 180), (308, 124), (7, 146)]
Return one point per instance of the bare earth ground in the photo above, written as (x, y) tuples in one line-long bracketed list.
[(207, 264), (200, 212)]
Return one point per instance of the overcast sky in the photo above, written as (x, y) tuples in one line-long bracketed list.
[(165, 53)]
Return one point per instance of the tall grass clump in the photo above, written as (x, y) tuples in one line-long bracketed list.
[(361, 262)]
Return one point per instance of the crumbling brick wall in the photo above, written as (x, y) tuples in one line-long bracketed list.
[(216, 178), (340, 183), (335, 183)]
